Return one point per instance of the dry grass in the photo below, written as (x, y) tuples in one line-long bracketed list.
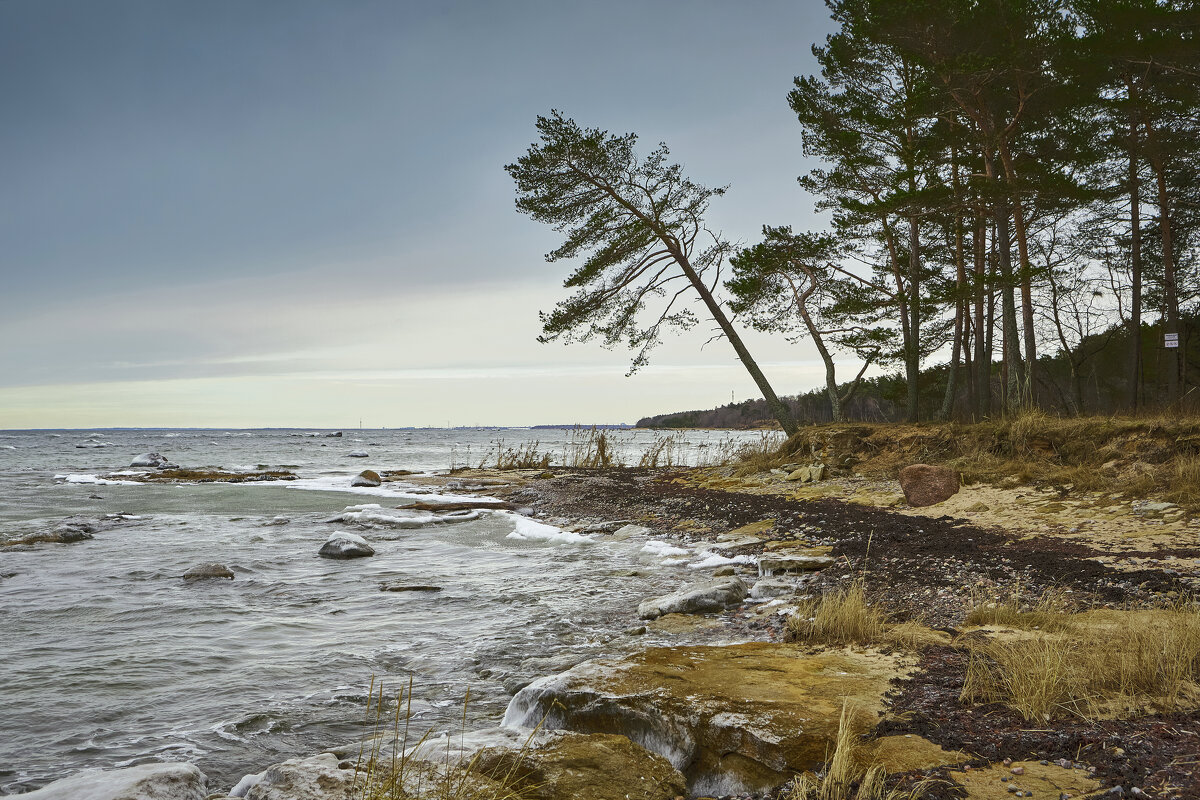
[(664, 451), (847, 616), (393, 773), (1099, 664), (1047, 612), (843, 616), (848, 775), (764, 454), (1184, 486), (591, 449), (523, 456)]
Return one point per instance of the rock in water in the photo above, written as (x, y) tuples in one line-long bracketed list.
[(149, 460), (575, 766), (359, 454), (924, 485), (346, 545), (734, 719), (367, 477), (696, 599), (203, 571), (144, 782), (314, 778)]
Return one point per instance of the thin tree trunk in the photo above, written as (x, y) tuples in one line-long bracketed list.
[(1170, 290), (1008, 313), (983, 344), (1025, 275), (777, 408), (913, 354), (960, 280), (1135, 264)]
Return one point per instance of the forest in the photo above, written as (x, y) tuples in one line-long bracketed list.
[(1012, 205)]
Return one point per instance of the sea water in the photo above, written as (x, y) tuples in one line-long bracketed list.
[(109, 658)]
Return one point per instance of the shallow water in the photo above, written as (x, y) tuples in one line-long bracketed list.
[(111, 659)]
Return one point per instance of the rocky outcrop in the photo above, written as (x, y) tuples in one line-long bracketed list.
[(346, 545), (924, 485), (732, 719), (149, 460), (784, 562), (315, 778), (714, 596), (812, 474), (143, 782), (367, 477), (574, 766), (204, 571)]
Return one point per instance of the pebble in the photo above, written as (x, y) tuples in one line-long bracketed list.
[(1017, 770)]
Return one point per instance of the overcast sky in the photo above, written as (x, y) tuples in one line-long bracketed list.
[(252, 213)]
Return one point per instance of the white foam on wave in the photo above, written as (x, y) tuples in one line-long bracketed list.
[(661, 548), (373, 514), (96, 479), (393, 490), (527, 529)]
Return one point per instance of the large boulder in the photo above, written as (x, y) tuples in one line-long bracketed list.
[(315, 778), (924, 485), (149, 460), (732, 719), (143, 782), (346, 545), (368, 477), (574, 766), (714, 596)]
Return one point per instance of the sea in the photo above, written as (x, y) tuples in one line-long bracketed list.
[(109, 658)]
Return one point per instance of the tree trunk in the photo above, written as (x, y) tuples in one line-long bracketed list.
[(983, 344), (1008, 312), (960, 281), (776, 406), (1135, 265), (1025, 275), (1170, 290), (912, 356)]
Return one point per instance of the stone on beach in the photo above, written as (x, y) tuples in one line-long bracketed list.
[(315, 778), (143, 782), (149, 460), (925, 485), (715, 596), (366, 478), (211, 570), (346, 545)]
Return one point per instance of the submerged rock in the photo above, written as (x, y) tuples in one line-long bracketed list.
[(315, 778), (732, 719), (204, 571), (143, 782), (149, 460), (359, 454), (366, 478), (346, 545), (924, 485), (408, 587), (575, 766), (715, 596)]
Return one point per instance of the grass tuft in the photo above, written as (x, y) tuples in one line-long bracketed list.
[(843, 616), (1047, 612)]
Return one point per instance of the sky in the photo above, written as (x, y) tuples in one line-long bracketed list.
[(245, 213)]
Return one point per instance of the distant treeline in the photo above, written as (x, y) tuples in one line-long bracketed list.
[(1100, 384)]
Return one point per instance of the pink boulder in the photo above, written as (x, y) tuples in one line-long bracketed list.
[(924, 485)]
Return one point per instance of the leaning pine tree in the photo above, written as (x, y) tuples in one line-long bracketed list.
[(638, 223)]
